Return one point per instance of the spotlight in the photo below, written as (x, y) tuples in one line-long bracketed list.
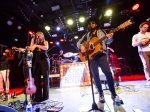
[(108, 12), (55, 8), (9, 22), (81, 18), (70, 20), (57, 28), (19, 27), (135, 7), (51, 42), (47, 28), (57, 43)]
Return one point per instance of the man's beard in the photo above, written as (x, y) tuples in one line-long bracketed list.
[(92, 29)]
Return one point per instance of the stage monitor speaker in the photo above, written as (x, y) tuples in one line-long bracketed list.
[(4, 108)]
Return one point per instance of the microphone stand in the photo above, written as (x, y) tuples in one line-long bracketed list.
[(50, 48), (5, 93), (94, 105)]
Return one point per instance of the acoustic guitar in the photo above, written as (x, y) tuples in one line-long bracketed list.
[(94, 47), (30, 88)]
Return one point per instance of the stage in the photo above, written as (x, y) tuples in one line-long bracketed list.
[(132, 90)]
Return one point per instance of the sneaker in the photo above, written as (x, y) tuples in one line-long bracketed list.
[(101, 97), (113, 98)]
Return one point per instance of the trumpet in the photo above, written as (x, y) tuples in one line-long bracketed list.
[(20, 49), (15, 48)]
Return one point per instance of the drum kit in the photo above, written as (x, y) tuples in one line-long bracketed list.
[(56, 61)]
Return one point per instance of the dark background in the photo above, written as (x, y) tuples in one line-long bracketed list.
[(122, 39)]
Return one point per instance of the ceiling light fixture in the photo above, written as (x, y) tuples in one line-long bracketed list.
[(34, 2)]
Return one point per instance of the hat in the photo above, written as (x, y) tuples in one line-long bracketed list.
[(92, 19)]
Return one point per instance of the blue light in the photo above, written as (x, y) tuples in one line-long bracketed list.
[(57, 43), (57, 28)]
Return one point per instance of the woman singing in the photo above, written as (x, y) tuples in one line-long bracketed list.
[(41, 66)]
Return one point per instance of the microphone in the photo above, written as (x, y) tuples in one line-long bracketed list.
[(148, 19)]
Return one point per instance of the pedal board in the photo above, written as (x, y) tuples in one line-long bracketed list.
[(55, 109)]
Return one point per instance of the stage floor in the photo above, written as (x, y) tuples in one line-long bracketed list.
[(134, 93)]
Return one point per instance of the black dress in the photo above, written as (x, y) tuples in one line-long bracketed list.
[(41, 67)]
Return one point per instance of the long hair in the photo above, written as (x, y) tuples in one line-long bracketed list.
[(37, 41)]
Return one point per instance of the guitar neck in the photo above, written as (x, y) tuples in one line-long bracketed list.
[(112, 31)]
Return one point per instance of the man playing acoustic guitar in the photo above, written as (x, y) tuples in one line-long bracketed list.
[(100, 59), (142, 40)]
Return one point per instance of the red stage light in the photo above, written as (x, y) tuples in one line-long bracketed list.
[(135, 7), (30, 32), (51, 42), (61, 40)]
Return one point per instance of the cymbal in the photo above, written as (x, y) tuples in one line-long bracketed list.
[(75, 54), (68, 54)]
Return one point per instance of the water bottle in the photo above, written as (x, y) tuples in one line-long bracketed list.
[(117, 107), (29, 107), (119, 79)]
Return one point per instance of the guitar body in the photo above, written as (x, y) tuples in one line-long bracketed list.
[(91, 52), (30, 88), (144, 44)]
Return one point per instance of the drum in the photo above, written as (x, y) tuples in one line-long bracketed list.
[(76, 59), (67, 61)]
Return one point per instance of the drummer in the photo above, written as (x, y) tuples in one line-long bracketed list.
[(60, 57)]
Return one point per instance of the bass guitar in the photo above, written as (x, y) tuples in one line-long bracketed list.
[(30, 88), (94, 47)]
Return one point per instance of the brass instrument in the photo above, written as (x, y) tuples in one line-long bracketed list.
[(15, 48), (18, 49)]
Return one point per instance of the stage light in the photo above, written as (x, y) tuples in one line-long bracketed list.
[(47, 28), (30, 32), (135, 7), (16, 39), (57, 43), (57, 28), (61, 40), (55, 8), (81, 18), (34, 2), (51, 42), (19, 27), (69, 21), (76, 37), (9, 22), (108, 12)]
